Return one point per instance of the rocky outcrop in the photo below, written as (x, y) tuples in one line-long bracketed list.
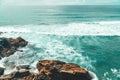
[(9, 46), (57, 70), (50, 70)]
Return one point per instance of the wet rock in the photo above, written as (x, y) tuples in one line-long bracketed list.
[(9, 46), (1, 71), (27, 67), (4, 42), (50, 70), (1, 48), (62, 71), (74, 72), (1, 33), (18, 42), (18, 75)]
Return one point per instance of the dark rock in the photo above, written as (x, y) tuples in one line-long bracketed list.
[(1, 71), (27, 67), (1, 47), (18, 42), (9, 46), (1, 33), (19, 75), (4, 42)]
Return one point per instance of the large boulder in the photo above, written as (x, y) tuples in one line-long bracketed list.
[(9, 46), (57, 70)]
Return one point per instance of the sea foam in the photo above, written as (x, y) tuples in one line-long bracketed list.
[(96, 28)]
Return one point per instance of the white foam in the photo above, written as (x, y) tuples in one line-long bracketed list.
[(101, 28), (13, 29), (1, 62), (86, 29), (109, 22), (116, 72), (93, 75)]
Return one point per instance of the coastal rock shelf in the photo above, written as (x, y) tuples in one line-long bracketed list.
[(9, 46), (50, 70)]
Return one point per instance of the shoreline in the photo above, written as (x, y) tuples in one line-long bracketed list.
[(9, 43), (52, 69)]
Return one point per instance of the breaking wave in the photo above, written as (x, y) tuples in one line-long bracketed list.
[(94, 28)]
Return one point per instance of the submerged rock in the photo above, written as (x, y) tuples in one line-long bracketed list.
[(1, 71), (50, 70), (1, 33), (9, 46), (27, 67)]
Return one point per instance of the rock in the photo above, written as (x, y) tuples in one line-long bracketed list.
[(18, 75), (1, 71), (4, 42), (1, 48), (50, 70), (18, 42), (74, 72), (21, 75), (27, 67), (54, 69), (9, 46), (1, 33)]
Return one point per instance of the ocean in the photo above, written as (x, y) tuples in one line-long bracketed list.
[(88, 35)]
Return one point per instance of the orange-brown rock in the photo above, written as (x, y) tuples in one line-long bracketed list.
[(57, 70), (50, 70)]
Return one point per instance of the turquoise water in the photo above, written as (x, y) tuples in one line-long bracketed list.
[(15, 15), (86, 35)]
